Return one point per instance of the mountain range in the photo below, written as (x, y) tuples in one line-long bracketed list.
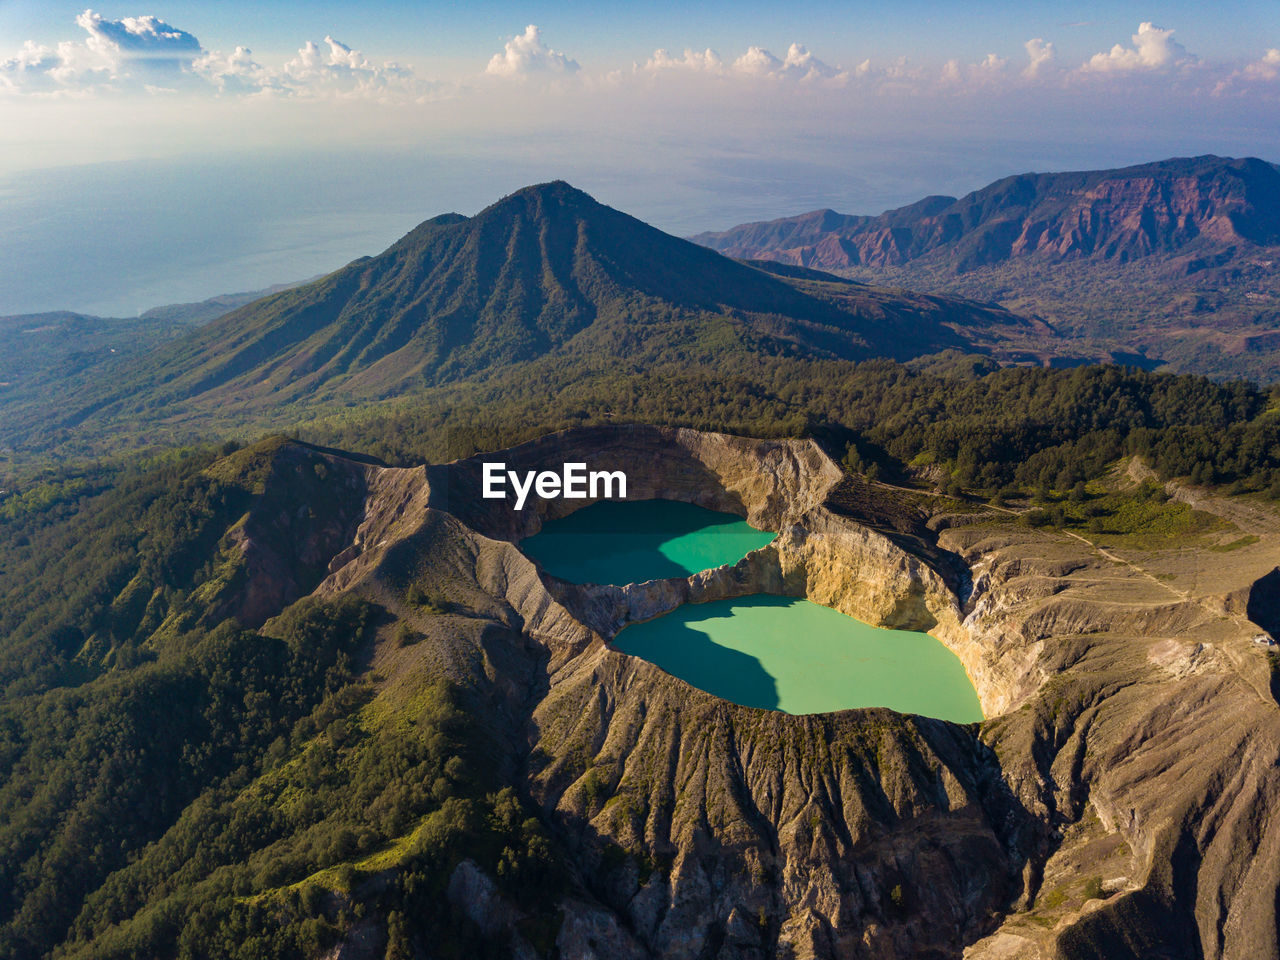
[(1173, 262), (544, 275), (1190, 213), (1169, 264)]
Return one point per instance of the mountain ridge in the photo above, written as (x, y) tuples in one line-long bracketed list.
[(1167, 264), (546, 274), (1165, 206)]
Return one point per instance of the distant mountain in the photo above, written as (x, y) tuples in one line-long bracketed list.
[(1170, 263), (58, 344), (202, 311), (1201, 205), (548, 274)]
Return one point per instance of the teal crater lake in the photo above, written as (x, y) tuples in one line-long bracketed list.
[(788, 654), (631, 541)]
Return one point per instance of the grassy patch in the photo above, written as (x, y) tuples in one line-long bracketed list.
[(1236, 544), (1140, 521)]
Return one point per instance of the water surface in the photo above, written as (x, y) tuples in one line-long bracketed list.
[(787, 654), (631, 541)]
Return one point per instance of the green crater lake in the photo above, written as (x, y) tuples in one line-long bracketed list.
[(631, 541), (780, 653), (787, 654)]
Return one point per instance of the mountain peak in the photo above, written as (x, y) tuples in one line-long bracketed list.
[(547, 271), (546, 196)]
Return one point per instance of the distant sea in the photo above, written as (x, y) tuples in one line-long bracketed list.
[(114, 239)]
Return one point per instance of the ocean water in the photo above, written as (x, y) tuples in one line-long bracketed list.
[(783, 653), (114, 239)]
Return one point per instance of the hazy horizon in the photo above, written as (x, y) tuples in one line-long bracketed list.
[(178, 151)]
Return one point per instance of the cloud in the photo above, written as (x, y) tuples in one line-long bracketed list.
[(1268, 68), (148, 55), (1042, 56), (526, 54), (143, 37), (142, 48), (759, 62), (337, 69), (1259, 77), (799, 64), (707, 61), (803, 65), (237, 73), (1153, 49), (988, 69), (144, 54), (139, 52), (30, 68)]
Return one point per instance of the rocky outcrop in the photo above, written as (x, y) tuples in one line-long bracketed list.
[(1117, 802), (308, 504)]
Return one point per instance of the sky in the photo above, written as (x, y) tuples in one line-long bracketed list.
[(174, 150)]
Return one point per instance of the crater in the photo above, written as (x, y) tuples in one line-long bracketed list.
[(761, 650), (839, 547)]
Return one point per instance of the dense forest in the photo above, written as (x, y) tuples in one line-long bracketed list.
[(173, 784), (983, 428)]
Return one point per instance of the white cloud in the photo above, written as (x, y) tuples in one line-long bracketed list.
[(990, 68), (804, 65), (133, 55), (337, 69), (138, 37), (526, 54), (145, 49), (758, 62), (1153, 49), (799, 64), (145, 54), (1041, 55), (138, 52), (1268, 68), (236, 73), (707, 61), (30, 68), (1258, 77)]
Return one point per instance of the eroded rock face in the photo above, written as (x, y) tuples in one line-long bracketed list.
[(1132, 735), (1209, 205)]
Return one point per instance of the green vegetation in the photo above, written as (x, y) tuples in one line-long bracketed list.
[(425, 603), (93, 774), (236, 799), (1144, 518), (1236, 544), (545, 274), (1023, 429)]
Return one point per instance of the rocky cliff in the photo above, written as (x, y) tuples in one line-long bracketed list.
[(1201, 207), (1119, 801)]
